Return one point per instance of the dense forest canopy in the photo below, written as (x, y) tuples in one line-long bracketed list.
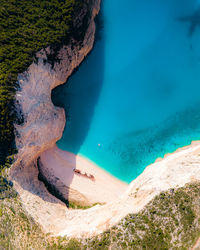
[(26, 26)]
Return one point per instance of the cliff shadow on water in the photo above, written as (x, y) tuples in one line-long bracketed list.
[(79, 96)]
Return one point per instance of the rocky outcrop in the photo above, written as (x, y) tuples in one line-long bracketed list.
[(172, 172), (43, 126), (43, 122)]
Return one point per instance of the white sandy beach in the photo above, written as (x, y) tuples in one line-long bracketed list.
[(102, 188), (175, 170)]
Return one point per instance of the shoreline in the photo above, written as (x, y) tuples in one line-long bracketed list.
[(44, 127), (167, 154), (193, 143), (90, 181), (79, 174), (173, 171), (104, 170)]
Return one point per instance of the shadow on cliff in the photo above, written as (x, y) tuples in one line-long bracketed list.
[(79, 96)]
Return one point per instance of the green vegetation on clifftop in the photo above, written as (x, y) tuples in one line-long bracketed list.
[(26, 26), (170, 221)]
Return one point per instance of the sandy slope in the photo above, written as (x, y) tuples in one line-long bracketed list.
[(175, 170), (92, 182)]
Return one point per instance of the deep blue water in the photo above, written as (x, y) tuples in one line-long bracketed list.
[(137, 95)]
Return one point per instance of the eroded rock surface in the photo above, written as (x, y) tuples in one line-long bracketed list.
[(43, 126), (43, 122)]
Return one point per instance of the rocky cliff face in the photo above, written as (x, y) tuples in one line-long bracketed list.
[(43, 122), (43, 126)]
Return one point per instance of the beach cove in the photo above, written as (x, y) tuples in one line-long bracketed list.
[(41, 164), (137, 95)]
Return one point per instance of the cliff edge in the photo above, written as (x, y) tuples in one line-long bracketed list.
[(43, 126)]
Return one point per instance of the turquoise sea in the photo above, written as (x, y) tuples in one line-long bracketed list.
[(137, 95)]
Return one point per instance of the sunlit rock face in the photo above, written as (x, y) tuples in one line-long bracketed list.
[(43, 122), (43, 126)]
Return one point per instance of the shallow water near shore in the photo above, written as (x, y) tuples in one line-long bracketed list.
[(137, 95)]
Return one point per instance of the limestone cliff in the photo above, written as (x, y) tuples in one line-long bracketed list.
[(43, 122), (43, 126)]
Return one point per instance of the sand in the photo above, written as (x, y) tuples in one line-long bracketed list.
[(173, 171), (97, 185)]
